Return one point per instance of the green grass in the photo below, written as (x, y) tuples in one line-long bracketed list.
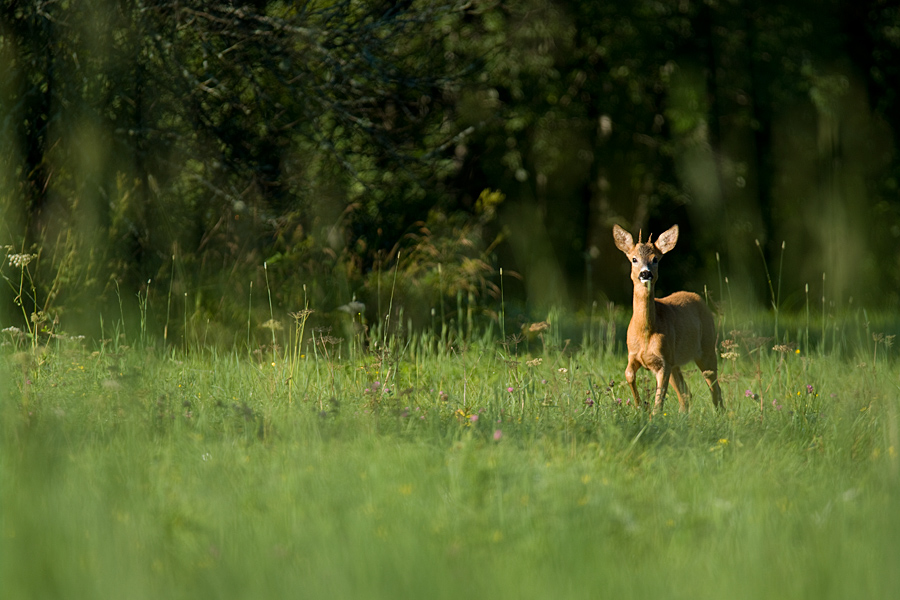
[(127, 473)]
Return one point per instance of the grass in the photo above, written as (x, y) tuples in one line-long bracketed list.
[(417, 473)]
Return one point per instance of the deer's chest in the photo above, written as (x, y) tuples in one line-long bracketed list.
[(647, 347)]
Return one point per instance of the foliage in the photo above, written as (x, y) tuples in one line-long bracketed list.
[(189, 144), (213, 136)]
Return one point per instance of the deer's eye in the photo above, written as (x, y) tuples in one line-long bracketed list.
[(654, 260), (634, 260)]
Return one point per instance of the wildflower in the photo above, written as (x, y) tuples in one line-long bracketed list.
[(748, 393), (473, 418), (809, 388), (353, 308), (729, 348), (720, 446), (20, 260), (563, 370), (497, 435), (797, 351), (509, 389), (272, 324), (776, 405), (443, 396), (589, 401), (539, 327)]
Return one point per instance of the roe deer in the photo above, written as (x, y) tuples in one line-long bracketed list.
[(669, 332)]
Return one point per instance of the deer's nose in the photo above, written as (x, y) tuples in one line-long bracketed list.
[(645, 275)]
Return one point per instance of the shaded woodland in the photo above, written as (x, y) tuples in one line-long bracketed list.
[(214, 152)]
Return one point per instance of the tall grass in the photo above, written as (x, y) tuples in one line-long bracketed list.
[(422, 471)]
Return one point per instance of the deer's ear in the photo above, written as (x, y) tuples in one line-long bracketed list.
[(667, 240), (624, 241)]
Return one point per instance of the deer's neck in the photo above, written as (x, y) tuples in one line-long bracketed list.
[(643, 319)]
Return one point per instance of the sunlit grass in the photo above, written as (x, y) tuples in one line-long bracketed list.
[(418, 472)]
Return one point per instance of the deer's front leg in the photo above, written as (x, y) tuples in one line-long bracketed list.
[(630, 376), (662, 371), (662, 385)]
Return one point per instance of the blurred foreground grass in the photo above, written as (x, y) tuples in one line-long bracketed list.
[(126, 473)]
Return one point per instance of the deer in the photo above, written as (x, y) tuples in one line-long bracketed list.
[(666, 333)]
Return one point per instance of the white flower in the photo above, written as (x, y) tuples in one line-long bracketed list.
[(20, 260)]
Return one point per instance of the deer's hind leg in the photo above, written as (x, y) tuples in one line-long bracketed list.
[(711, 375), (681, 388)]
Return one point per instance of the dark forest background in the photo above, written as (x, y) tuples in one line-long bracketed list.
[(204, 155)]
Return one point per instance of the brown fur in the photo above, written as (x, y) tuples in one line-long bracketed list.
[(669, 332)]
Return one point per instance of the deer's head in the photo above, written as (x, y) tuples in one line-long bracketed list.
[(644, 256)]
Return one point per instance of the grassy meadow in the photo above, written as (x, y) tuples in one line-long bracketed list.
[(415, 469)]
